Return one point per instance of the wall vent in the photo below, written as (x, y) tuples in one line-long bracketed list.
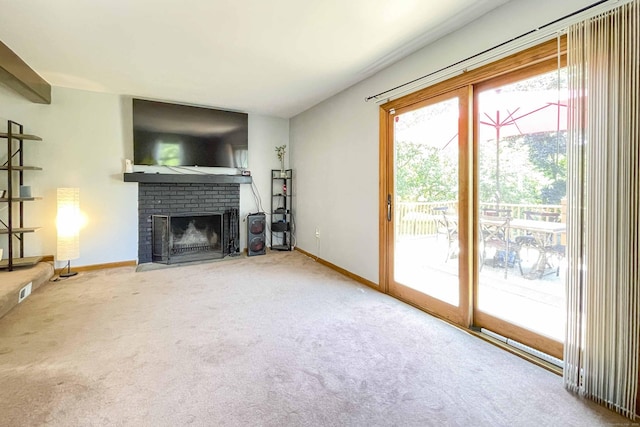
[(24, 292)]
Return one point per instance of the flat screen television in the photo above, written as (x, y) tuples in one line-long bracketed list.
[(166, 134)]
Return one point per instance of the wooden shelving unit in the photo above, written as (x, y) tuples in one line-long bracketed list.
[(13, 224), (21, 168), (281, 216)]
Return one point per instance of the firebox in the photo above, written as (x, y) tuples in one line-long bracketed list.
[(184, 238)]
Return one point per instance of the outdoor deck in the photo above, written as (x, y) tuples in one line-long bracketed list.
[(535, 303)]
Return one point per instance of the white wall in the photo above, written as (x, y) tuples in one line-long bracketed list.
[(83, 146), (335, 144), (86, 137), (265, 133)]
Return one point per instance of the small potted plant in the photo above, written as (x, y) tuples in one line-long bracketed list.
[(280, 151)]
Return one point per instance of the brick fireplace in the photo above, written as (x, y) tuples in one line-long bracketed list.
[(184, 238), (180, 200)]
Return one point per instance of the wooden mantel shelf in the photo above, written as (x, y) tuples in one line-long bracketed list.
[(186, 178)]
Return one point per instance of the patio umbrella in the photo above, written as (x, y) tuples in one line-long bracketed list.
[(517, 113)]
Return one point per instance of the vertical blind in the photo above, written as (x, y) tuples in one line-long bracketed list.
[(603, 315)]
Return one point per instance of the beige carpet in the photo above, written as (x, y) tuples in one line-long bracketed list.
[(275, 340)]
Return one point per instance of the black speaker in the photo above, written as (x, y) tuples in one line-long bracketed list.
[(256, 236)]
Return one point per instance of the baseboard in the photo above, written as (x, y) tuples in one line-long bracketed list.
[(340, 270), (131, 263)]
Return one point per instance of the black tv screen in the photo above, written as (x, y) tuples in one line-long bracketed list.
[(167, 134)]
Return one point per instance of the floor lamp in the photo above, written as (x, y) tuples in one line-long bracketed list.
[(68, 224)]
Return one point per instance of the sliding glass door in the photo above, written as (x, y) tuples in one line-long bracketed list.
[(521, 150), (473, 202), (424, 215)]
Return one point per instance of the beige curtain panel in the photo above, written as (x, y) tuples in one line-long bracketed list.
[(603, 324)]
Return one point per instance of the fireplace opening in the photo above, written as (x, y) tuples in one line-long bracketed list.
[(184, 238)]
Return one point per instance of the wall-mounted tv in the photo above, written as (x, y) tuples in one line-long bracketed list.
[(166, 134)]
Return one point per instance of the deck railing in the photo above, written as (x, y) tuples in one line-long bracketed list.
[(420, 218)]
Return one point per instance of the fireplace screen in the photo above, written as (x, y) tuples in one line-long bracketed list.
[(183, 238)]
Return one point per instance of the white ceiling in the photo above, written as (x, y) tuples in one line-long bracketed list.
[(277, 57)]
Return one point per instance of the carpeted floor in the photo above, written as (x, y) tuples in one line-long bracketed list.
[(275, 340)]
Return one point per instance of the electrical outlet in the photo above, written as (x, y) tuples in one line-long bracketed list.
[(317, 232)]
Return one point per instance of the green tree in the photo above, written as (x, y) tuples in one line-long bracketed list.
[(531, 168), (518, 181), (425, 173), (547, 153)]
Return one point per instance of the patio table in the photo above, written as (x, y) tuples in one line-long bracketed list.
[(544, 234), (544, 228)]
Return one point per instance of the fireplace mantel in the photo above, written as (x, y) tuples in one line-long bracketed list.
[(186, 178)]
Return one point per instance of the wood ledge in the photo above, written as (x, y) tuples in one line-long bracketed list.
[(185, 178)]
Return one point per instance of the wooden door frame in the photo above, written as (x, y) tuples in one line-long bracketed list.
[(385, 250), (461, 314)]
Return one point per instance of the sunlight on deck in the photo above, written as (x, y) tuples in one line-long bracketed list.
[(537, 304)]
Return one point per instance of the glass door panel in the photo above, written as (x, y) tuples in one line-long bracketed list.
[(521, 143), (425, 267)]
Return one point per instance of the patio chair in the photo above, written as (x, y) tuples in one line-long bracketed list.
[(547, 249), (441, 226), (545, 254), (497, 212), (527, 243), (448, 227), (495, 233), (555, 251), (507, 254)]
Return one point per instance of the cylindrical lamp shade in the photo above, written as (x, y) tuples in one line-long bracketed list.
[(68, 222)]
